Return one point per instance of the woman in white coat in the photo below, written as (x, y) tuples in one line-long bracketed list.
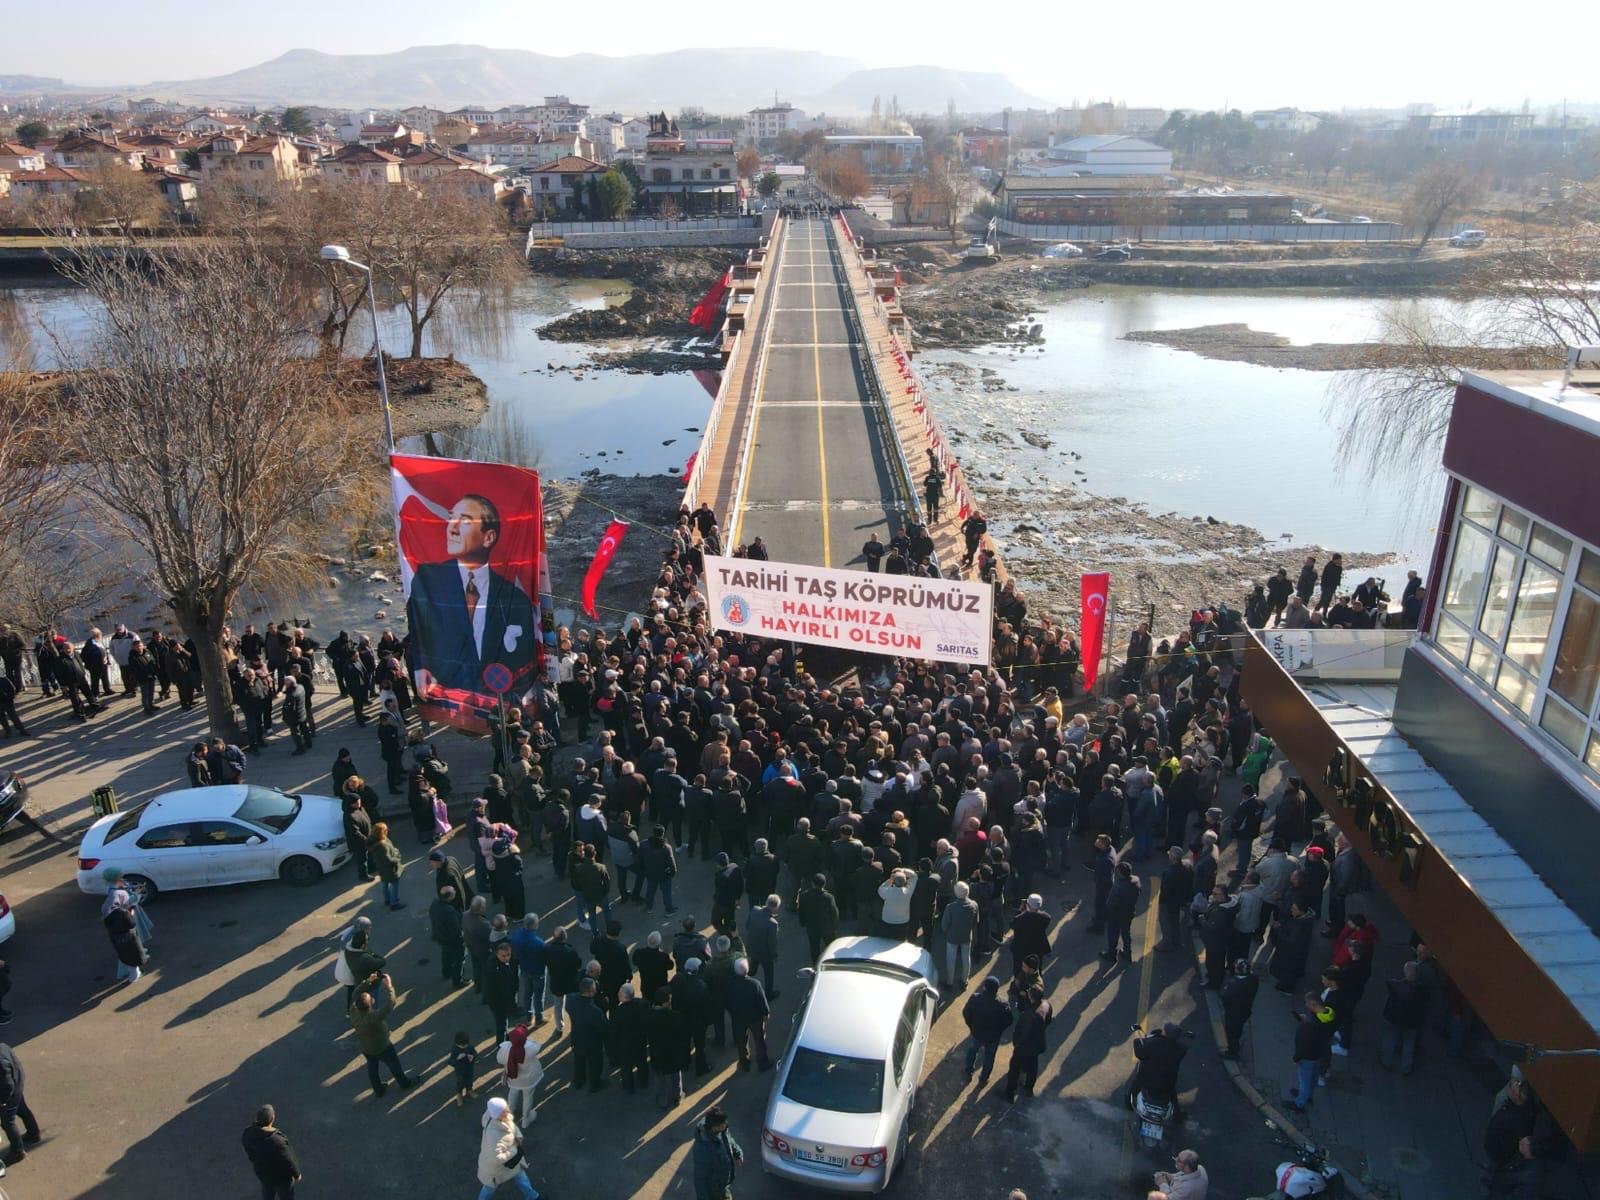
[(500, 1153), (519, 1055)]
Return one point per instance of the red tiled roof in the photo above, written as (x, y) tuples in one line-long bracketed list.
[(571, 164), (50, 174), (364, 154)]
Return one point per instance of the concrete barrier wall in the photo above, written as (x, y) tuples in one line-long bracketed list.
[(884, 236), (664, 239)]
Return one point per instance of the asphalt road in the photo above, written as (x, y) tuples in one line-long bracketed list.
[(144, 1089), (821, 475)]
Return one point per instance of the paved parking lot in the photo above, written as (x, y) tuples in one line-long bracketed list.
[(144, 1089)]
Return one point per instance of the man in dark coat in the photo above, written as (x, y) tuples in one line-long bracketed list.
[(747, 1005), (987, 1017), (271, 1157), (1034, 1015), (819, 915), (1238, 998), (691, 997), (1030, 933), (667, 1032), (444, 927), (1216, 931), (447, 873), (628, 1039), (588, 1038), (1105, 872), (1177, 892), (1120, 905), (13, 1105)]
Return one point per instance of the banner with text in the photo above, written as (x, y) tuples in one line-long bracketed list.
[(945, 620)]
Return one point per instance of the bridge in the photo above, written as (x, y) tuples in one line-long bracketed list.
[(819, 436)]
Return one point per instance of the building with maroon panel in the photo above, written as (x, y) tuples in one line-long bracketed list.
[(1464, 761)]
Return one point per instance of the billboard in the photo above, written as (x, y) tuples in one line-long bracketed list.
[(906, 616), (470, 536)]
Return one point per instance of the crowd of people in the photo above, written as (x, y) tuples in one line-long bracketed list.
[(927, 806)]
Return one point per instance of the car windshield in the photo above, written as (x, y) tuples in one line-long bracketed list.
[(872, 966), (268, 808), (835, 1083)]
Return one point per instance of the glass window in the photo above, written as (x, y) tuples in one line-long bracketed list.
[(1589, 570), (1559, 722), (834, 1083), (221, 833), (1517, 687), (1481, 661), (1497, 601), (1577, 665), (1467, 565), (1550, 546), (1479, 506), (165, 837), (269, 808), (1453, 639), (1592, 755), (1535, 611), (1513, 526)]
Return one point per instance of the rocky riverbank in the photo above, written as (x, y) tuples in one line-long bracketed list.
[(1237, 342), (667, 286)]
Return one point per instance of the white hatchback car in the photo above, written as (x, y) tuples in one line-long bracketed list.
[(840, 1110), (201, 837)]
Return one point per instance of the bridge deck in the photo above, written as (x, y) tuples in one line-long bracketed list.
[(823, 473)]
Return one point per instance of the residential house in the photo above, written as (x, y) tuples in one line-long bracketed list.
[(475, 114), (50, 180), (360, 164), (375, 133), (763, 126), (453, 131), (15, 158), (178, 188), (556, 186), (148, 106), (503, 145), (635, 133), (478, 183), (605, 134), (256, 163), (212, 123), (161, 149), (84, 151), (557, 109), (986, 147), (422, 118), (693, 182), (1284, 120)]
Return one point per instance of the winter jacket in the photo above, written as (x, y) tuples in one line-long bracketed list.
[(761, 935), (562, 963), (716, 1159), (372, 1025), (271, 1156), (444, 923), (959, 921), (987, 1017), (499, 1152)]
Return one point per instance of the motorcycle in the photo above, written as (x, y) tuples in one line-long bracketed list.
[(1309, 1173), (1154, 1114)]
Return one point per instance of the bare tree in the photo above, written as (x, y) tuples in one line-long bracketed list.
[(231, 447), (115, 195), (1145, 206), (748, 161), (1440, 191), (1522, 308)]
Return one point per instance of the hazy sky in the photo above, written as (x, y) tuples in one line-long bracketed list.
[(1247, 54)]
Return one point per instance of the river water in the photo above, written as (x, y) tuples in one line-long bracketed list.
[(1168, 428)]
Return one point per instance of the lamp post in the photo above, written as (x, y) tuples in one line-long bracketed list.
[(341, 254)]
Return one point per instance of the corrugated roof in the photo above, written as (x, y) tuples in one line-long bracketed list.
[(1554, 937)]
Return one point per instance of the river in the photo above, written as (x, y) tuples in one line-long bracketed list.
[(1167, 428)]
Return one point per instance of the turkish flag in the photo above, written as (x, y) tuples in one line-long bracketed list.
[(1092, 624), (688, 467), (602, 559), (704, 315)]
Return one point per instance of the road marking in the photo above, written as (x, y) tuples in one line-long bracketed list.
[(822, 446), (755, 414)]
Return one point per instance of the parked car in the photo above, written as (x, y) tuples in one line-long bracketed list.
[(840, 1111), (1469, 239), (1115, 254), (203, 837), (13, 796), (8, 921), (1361, 220)]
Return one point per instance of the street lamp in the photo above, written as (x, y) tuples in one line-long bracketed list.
[(341, 254)]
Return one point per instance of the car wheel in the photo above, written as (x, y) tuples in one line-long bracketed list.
[(300, 871), (144, 888)]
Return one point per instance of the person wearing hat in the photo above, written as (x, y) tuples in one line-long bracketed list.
[(500, 1153), (987, 1017), (271, 1156)]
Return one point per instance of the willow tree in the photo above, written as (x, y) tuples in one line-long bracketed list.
[(203, 433)]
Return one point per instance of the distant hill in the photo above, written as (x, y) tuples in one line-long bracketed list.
[(718, 80), (30, 83), (450, 76), (922, 89)]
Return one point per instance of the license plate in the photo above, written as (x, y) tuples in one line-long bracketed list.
[(827, 1160), (1149, 1129)]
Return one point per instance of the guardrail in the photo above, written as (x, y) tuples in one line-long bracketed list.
[(691, 491), (742, 464), (881, 393)]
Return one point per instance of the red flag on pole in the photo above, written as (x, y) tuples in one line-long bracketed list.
[(704, 315), (1092, 627), (688, 467), (602, 559)]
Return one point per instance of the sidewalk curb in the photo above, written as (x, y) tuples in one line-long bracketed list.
[(1269, 1110)]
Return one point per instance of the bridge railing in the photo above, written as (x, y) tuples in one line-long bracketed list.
[(691, 490), (746, 444)]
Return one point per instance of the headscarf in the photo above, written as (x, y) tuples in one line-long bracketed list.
[(495, 1109), (117, 897), (518, 1052)]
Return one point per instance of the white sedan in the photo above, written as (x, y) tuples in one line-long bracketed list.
[(202, 837), (840, 1110)]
